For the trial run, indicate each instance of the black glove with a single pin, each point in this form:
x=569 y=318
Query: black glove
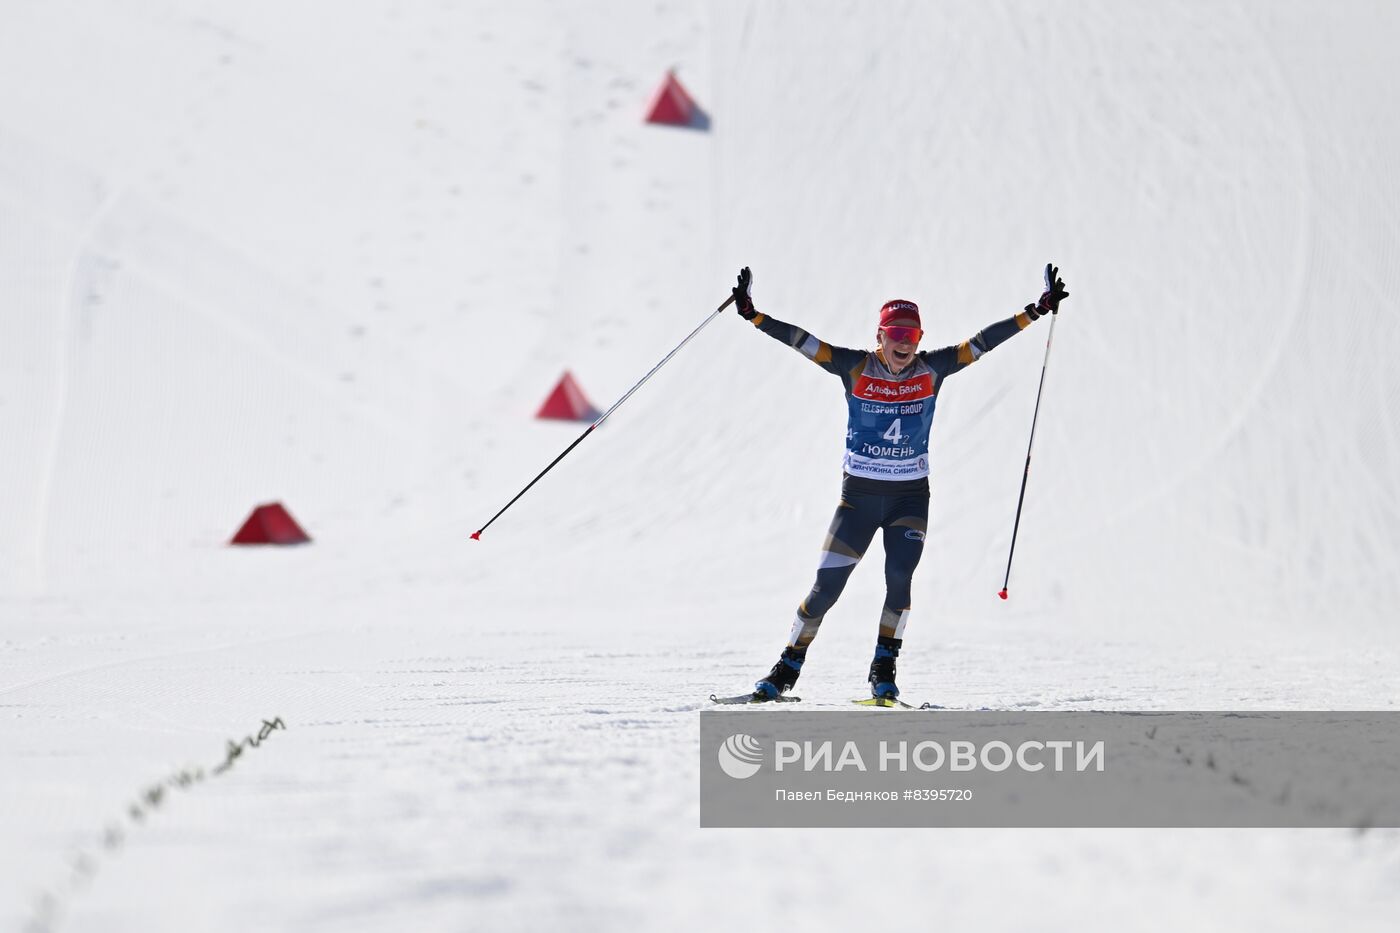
x=1050 y=299
x=743 y=295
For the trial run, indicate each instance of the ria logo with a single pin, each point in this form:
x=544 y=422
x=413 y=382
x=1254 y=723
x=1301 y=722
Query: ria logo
x=740 y=756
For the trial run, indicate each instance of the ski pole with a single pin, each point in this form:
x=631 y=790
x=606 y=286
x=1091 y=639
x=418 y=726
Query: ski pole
x=604 y=416
x=1026 y=475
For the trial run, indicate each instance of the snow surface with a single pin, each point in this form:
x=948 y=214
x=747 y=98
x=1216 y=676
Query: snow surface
x=336 y=256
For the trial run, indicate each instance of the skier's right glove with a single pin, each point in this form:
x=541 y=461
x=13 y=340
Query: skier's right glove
x=743 y=295
x=1050 y=299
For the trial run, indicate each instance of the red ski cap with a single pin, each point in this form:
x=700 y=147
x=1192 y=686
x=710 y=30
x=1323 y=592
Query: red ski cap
x=899 y=309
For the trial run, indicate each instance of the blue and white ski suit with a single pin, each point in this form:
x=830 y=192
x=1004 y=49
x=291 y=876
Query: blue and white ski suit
x=885 y=483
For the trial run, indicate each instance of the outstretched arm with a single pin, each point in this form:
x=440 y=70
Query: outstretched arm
x=835 y=360
x=958 y=357
x=962 y=355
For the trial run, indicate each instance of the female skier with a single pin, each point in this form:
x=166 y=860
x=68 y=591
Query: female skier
x=890 y=395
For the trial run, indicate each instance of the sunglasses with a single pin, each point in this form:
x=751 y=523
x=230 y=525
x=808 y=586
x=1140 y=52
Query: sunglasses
x=903 y=334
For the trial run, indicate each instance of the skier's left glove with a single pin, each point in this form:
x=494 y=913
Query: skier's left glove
x=743 y=295
x=1050 y=299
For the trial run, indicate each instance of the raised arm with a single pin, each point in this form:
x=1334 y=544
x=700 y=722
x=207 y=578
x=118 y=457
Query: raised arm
x=959 y=356
x=952 y=359
x=838 y=361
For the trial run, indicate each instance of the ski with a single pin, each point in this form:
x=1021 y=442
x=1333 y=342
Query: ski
x=753 y=698
x=969 y=709
x=886 y=703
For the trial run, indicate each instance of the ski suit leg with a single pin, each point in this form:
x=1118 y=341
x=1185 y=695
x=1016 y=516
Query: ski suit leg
x=905 y=524
x=852 y=529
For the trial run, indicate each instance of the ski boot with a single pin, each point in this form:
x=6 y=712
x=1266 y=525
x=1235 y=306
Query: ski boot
x=882 y=685
x=783 y=675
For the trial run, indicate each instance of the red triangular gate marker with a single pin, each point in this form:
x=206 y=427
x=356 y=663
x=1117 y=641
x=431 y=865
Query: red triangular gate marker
x=270 y=524
x=567 y=403
x=674 y=106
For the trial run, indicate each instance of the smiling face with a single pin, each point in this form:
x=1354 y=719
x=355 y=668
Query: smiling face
x=898 y=341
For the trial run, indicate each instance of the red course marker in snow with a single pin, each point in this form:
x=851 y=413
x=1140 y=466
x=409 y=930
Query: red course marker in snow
x=673 y=106
x=270 y=523
x=567 y=402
